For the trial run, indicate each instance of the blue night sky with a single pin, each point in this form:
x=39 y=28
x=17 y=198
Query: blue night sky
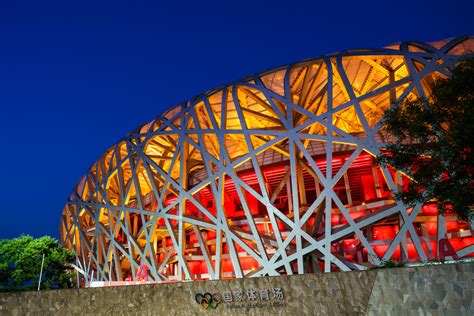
x=76 y=76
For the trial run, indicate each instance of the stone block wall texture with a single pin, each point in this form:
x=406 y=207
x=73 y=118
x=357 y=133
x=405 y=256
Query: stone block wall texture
x=429 y=290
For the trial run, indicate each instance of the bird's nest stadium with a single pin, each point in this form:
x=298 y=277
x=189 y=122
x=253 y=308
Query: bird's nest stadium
x=274 y=174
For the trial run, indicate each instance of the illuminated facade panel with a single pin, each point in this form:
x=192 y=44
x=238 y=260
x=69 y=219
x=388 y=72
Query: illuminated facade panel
x=271 y=175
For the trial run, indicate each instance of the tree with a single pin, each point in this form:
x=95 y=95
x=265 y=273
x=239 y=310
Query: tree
x=434 y=144
x=20 y=263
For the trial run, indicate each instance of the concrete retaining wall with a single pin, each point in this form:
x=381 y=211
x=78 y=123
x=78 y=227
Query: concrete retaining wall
x=435 y=290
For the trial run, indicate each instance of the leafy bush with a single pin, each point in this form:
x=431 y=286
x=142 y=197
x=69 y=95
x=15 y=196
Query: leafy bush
x=20 y=264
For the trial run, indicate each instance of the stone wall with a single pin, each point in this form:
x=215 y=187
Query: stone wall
x=436 y=290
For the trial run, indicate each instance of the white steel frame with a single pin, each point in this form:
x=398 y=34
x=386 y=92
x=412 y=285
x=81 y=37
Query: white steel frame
x=330 y=101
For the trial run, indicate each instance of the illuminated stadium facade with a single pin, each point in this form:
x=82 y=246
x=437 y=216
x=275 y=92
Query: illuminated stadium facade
x=271 y=175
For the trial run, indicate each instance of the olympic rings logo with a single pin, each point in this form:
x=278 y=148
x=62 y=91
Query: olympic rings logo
x=208 y=300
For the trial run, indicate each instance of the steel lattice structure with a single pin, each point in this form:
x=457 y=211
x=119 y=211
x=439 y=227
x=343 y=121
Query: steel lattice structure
x=270 y=175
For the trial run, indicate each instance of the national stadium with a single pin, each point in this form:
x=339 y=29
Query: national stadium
x=274 y=174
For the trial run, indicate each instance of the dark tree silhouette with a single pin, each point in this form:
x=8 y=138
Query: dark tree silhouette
x=434 y=143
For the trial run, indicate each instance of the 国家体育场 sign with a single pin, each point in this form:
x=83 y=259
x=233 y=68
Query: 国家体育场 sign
x=242 y=298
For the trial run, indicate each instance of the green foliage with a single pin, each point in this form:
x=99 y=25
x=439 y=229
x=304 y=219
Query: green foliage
x=434 y=144
x=388 y=264
x=20 y=263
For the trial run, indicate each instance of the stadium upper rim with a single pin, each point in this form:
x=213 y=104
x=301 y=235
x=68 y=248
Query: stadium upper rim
x=391 y=49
